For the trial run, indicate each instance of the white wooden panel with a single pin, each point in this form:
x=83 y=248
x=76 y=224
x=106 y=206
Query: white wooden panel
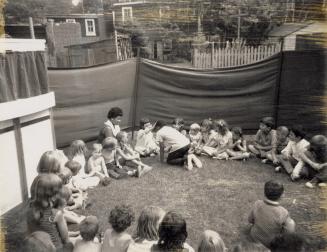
x=9 y=173
x=21 y=45
x=23 y=107
x=37 y=139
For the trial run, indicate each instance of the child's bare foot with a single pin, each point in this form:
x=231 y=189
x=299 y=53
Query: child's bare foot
x=189 y=165
x=197 y=162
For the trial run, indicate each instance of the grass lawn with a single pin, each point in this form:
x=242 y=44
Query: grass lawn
x=218 y=197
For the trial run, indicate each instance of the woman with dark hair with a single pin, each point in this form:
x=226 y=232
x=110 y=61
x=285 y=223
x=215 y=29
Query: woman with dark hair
x=111 y=126
x=172 y=234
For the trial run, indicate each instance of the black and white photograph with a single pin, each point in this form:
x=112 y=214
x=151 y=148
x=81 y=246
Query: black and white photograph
x=163 y=125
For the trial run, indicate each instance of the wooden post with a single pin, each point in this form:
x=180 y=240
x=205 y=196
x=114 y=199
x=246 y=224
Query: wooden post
x=277 y=91
x=21 y=159
x=212 y=53
x=30 y=20
x=137 y=73
x=116 y=45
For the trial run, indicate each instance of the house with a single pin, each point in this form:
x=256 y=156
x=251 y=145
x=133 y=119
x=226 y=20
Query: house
x=163 y=28
x=300 y=36
x=65 y=32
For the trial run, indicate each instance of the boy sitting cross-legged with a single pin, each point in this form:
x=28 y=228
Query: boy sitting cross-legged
x=267 y=218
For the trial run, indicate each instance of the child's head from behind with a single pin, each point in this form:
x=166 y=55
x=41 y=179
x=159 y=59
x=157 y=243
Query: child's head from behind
x=78 y=147
x=266 y=124
x=121 y=217
x=144 y=123
x=65 y=175
x=237 y=133
x=39 y=241
x=172 y=231
x=148 y=223
x=282 y=133
x=318 y=142
x=194 y=129
x=49 y=163
x=109 y=144
x=211 y=242
x=288 y=242
x=221 y=126
x=73 y=166
x=47 y=188
x=122 y=137
x=206 y=125
x=89 y=228
x=63 y=197
x=273 y=190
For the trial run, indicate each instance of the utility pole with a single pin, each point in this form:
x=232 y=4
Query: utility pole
x=239 y=15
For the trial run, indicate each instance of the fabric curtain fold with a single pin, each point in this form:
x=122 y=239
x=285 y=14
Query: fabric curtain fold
x=22 y=75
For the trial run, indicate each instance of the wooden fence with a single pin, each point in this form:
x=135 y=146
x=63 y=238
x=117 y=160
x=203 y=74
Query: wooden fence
x=124 y=48
x=212 y=56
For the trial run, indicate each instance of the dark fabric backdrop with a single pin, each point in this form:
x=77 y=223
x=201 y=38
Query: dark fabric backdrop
x=303 y=90
x=240 y=95
x=84 y=96
x=22 y=75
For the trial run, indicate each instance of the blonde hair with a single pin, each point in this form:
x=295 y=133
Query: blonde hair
x=97 y=148
x=211 y=242
x=49 y=163
x=120 y=136
x=77 y=147
x=148 y=223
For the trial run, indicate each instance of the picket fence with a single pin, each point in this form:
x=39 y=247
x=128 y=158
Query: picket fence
x=215 y=57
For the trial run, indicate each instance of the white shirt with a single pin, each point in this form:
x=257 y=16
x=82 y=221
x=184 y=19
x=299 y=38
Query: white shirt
x=115 y=128
x=295 y=150
x=172 y=138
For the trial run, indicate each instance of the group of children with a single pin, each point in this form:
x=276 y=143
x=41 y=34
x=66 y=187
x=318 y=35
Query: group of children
x=285 y=148
x=271 y=227
x=62 y=183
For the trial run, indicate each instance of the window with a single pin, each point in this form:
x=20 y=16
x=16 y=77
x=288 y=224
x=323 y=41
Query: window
x=127 y=14
x=90 y=27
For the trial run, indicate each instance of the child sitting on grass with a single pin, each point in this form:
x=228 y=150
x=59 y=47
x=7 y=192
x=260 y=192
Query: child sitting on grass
x=115 y=238
x=206 y=127
x=96 y=165
x=145 y=142
x=315 y=160
x=109 y=153
x=43 y=216
x=78 y=153
x=172 y=234
x=267 y=218
x=282 y=133
x=88 y=228
x=291 y=155
x=195 y=146
x=79 y=196
x=211 y=242
x=195 y=138
x=265 y=138
x=67 y=198
x=238 y=149
x=147 y=229
x=127 y=156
